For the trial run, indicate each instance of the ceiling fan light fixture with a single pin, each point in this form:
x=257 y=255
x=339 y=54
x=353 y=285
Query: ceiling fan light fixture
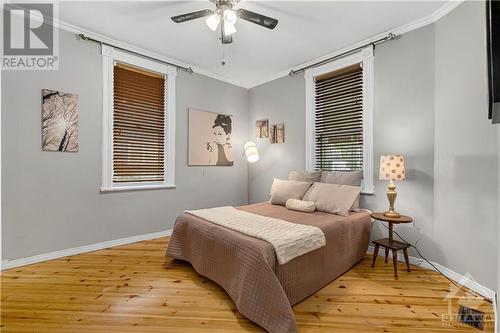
x=229 y=29
x=225 y=17
x=213 y=21
x=230 y=16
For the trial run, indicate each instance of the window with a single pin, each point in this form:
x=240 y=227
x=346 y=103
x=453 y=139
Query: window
x=138 y=122
x=339 y=116
x=138 y=125
x=338 y=120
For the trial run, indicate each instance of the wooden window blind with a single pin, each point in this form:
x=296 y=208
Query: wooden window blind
x=138 y=125
x=339 y=120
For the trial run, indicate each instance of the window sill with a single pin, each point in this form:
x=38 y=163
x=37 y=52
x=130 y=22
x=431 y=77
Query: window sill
x=367 y=189
x=136 y=188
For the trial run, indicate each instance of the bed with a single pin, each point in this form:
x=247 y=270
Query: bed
x=246 y=267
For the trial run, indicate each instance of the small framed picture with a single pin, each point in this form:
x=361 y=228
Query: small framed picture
x=262 y=128
x=277 y=133
x=59 y=121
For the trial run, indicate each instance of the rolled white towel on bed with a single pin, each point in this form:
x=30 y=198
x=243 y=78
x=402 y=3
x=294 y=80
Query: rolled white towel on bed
x=301 y=205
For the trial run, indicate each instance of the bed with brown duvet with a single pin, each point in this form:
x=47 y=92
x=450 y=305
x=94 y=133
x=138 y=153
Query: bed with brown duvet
x=247 y=268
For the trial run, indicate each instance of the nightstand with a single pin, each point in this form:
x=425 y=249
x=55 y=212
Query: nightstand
x=390 y=243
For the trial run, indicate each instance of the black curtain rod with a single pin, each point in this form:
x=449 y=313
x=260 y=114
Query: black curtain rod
x=83 y=37
x=390 y=36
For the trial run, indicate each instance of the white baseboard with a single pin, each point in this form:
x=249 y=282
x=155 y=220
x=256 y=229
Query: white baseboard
x=463 y=280
x=495 y=313
x=7 y=264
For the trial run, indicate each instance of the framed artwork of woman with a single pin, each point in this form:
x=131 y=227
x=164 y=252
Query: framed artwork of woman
x=210 y=138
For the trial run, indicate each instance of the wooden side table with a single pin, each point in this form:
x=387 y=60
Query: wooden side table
x=390 y=243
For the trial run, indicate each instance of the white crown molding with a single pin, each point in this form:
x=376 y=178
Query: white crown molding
x=435 y=16
x=432 y=18
x=461 y=279
x=108 y=40
x=7 y=264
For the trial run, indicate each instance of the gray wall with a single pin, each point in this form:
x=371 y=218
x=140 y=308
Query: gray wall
x=465 y=148
x=430 y=105
x=280 y=101
x=404 y=124
x=51 y=201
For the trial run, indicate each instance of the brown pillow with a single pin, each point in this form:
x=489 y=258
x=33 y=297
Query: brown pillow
x=305 y=176
x=282 y=190
x=352 y=178
x=333 y=198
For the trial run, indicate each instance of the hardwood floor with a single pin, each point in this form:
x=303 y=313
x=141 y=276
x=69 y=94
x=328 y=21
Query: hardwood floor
x=134 y=288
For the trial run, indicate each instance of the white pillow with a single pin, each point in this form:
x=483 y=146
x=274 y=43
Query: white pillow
x=352 y=178
x=333 y=198
x=282 y=190
x=300 y=205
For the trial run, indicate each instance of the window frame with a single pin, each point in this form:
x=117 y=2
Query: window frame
x=110 y=56
x=365 y=58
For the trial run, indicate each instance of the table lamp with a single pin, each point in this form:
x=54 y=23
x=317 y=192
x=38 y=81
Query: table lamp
x=392 y=167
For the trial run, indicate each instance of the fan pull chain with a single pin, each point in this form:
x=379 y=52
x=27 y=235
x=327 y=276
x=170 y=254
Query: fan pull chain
x=223 y=62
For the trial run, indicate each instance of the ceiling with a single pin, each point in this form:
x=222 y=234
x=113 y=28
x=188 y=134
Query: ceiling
x=306 y=30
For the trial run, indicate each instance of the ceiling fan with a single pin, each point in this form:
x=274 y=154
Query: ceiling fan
x=226 y=16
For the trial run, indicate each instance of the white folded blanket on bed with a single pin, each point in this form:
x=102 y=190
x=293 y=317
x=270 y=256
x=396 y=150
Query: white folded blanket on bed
x=290 y=240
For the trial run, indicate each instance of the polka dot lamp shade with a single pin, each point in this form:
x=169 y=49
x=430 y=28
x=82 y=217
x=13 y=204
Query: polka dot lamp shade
x=392 y=167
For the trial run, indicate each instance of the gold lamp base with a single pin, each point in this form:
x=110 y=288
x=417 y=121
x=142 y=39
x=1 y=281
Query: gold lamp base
x=391 y=195
x=392 y=213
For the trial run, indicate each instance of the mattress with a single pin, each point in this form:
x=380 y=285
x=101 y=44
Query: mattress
x=246 y=267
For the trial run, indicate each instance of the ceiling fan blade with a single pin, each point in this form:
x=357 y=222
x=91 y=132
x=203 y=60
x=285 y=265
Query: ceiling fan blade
x=192 y=16
x=265 y=21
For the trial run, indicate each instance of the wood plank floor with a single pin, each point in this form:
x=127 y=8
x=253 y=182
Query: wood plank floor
x=134 y=288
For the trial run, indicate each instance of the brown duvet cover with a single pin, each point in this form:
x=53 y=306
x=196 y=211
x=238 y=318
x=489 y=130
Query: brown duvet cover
x=247 y=268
